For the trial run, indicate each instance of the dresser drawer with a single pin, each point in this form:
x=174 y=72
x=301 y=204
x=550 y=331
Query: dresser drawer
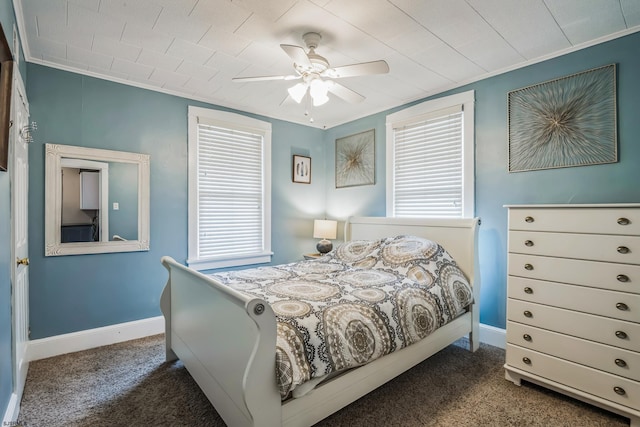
x=595 y=247
x=582 y=325
x=617 y=277
x=618 y=305
x=607 y=358
x=589 y=380
x=576 y=220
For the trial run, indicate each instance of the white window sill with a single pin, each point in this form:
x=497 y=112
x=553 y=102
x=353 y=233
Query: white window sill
x=224 y=262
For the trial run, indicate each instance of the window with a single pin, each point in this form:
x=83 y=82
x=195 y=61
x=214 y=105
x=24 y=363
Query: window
x=229 y=189
x=430 y=159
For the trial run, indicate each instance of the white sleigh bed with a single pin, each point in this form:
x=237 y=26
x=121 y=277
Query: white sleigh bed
x=227 y=339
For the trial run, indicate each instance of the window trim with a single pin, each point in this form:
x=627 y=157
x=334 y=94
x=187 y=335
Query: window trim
x=423 y=111
x=231 y=121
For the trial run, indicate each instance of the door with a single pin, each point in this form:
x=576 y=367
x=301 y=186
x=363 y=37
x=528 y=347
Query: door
x=19 y=170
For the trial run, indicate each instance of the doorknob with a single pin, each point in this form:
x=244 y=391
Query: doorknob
x=23 y=261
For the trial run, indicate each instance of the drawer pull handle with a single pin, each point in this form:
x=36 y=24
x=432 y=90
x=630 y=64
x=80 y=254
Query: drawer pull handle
x=528 y=290
x=528 y=243
x=528 y=267
x=526 y=360
x=623 y=250
x=619 y=390
x=622 y=278
x=621 y=363
x=527 y=337
x=529 y=219
x=622 y=306
x=623 y=221
x=527 y=313
x=621 y=334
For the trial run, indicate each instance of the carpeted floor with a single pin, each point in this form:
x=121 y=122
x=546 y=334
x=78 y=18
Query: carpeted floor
x=129 y=384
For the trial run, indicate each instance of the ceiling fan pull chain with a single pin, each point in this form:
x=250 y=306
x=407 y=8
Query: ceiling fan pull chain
x=309 y=107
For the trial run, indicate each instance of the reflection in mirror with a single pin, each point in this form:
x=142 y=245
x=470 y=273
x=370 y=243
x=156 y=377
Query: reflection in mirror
x=123 y=202
x=83 y=212
x=96 y=201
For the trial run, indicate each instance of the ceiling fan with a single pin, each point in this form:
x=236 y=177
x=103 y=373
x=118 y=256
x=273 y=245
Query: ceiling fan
x=317 y=75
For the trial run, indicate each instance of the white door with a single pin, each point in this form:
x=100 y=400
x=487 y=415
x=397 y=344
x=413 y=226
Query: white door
x=19 y=170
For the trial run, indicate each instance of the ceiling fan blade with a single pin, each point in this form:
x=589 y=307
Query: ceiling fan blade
x=364 y=68
x=298 y=55
x=345 y=93
x=264 y=78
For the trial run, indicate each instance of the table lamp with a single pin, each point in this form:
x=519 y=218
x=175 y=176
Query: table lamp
x=324 y=229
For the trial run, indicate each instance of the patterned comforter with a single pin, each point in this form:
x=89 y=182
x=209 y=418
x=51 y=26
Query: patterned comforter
x=359 y=302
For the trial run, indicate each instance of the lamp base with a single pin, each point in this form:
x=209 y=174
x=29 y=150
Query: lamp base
x=324 y=246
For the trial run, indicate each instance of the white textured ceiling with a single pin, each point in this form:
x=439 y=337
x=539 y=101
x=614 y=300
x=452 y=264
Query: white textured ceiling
x=193 y=48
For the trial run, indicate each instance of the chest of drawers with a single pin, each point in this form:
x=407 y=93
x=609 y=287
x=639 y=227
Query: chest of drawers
x=573 y=302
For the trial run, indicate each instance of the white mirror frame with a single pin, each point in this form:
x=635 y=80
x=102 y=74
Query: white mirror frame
x=53 y=201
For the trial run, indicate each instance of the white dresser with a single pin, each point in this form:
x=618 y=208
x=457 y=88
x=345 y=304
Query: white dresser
x=573 y=307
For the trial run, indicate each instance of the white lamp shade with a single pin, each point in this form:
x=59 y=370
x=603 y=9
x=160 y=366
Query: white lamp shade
x=298 y=92
x=320 y=100
x=325 y=229
x=318 y=91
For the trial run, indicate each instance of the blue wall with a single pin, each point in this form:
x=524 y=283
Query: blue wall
x=81 y=292
x=495 y=187
x=73 y=293
x=123 y=189
x=7 y=19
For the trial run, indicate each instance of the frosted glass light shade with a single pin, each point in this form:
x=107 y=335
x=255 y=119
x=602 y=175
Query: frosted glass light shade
x=318 y=91
x=297 y=92
x=325 y=229
x=320 y=100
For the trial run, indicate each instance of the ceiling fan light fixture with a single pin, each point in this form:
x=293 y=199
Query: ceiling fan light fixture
x=297 y=92
x=318 y=90
x=315 y=74
x=320 y=100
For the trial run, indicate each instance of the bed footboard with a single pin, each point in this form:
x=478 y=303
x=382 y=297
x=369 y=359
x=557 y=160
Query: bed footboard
x=227 y=341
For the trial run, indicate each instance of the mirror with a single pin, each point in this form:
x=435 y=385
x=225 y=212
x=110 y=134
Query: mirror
x=96 y=201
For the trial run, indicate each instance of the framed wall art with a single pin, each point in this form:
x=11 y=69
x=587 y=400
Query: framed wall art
x=301 y=169
x=570 y=121
x=356 y=159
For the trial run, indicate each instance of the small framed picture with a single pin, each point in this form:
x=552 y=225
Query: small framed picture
x=302 y=169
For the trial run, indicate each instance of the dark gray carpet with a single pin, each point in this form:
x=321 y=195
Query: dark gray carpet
x=129 y=384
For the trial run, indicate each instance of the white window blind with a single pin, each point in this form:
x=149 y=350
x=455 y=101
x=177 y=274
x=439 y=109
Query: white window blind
x=229 y=192
x=430 y=159
x=428 y=166
x=229 y=184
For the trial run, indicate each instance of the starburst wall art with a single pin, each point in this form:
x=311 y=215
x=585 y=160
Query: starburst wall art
x=356 y=159
x=570 y=121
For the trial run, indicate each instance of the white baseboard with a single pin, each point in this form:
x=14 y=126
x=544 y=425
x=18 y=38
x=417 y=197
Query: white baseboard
x=13 y=409
x=493 y=336
x=91 y=338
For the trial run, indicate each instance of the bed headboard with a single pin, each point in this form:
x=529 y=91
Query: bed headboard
x=459 y=236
